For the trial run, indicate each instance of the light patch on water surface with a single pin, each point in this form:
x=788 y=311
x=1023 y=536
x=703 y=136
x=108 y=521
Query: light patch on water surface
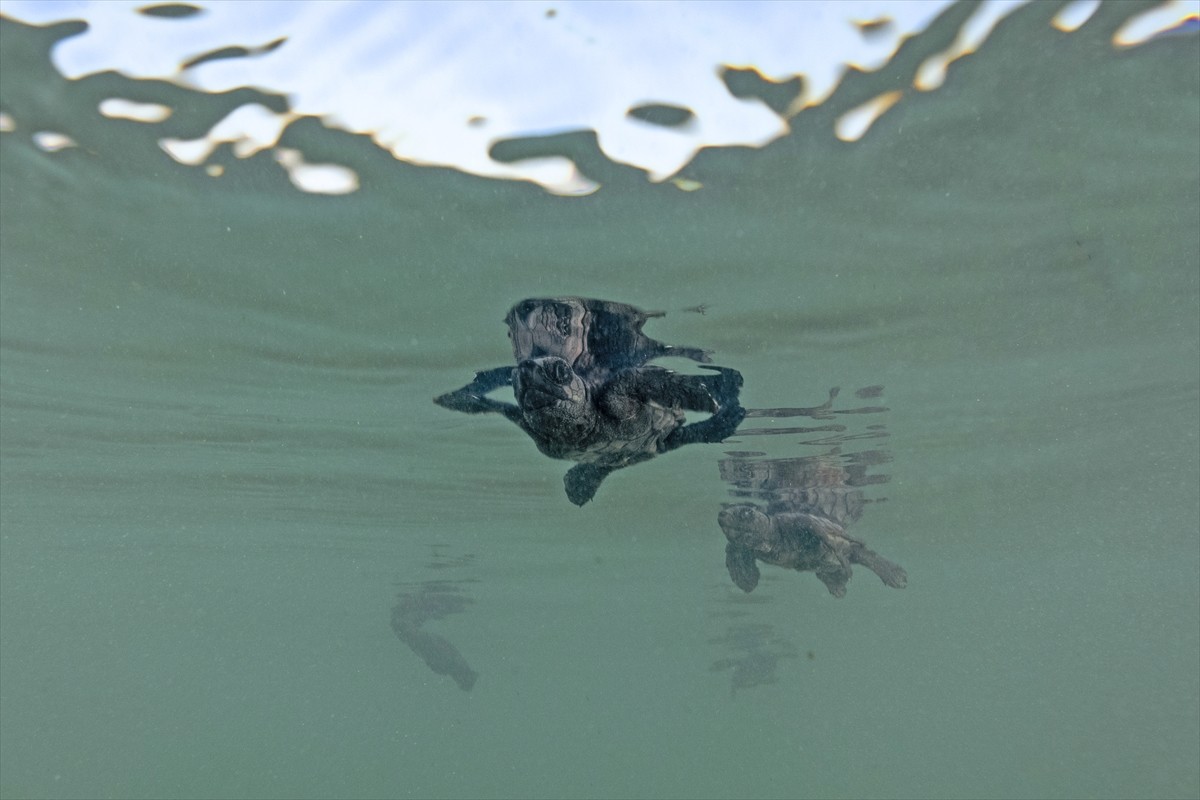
x=1170 y=16
x=853 y=125
x=440 y=83
x=53 y=141
x=932 y=74
x=192 y=152
x=316 y=178
x=1073 y=15
x=250 y=128
x=120 y=108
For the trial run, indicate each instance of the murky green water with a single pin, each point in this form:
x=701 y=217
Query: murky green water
x=221 y=462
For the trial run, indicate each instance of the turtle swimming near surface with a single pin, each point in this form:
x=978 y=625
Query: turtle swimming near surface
x=803 y=542
x=586 y=393
x=805 y=506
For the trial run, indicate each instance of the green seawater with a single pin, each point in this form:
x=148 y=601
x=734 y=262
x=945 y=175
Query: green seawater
x=220 y=462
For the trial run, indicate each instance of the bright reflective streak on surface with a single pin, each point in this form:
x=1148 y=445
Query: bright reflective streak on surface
x=851 y=126
x=251 y=128
x=932 y=73
x=1161 y=19
x=316 y=178
x=192 y=152
x=52 y=142
x=120 y=108
x=1073 y=16
x=440 y=83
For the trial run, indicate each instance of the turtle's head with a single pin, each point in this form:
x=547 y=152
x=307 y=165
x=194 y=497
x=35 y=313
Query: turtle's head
x=553 y=399
x=746 y=525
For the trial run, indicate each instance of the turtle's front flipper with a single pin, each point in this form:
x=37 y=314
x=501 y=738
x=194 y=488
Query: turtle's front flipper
x=717 y=428
x=742 y=567
x=889 y=572
x=655 y=384
x=471 y=399
x=694 y=353
x=582 y=481
x=725 y=386
x=722 y=390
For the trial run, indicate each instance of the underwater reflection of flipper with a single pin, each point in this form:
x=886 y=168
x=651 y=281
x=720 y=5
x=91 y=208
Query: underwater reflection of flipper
x=436 y=651
x=433 y=600
x=756 y=651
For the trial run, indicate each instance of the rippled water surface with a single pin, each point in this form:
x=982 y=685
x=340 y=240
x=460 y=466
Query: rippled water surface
x=222 y=472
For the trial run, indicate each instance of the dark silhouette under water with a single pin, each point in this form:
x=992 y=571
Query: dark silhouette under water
x=433 y=600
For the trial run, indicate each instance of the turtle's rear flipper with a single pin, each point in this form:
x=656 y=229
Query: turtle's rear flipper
x=835 y=580
x=582 y=481
x=742 y=567
x=889 y=572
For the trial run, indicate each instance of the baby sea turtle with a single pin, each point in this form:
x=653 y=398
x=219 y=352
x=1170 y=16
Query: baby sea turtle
x=804 y=506
x=799 y=541
x=585 y=393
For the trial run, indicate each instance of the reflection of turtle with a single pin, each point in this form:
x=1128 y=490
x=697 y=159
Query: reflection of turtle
x=758 y=649
x=594 y=337
x=584 y=392
x=434 y=600
x=803 y=542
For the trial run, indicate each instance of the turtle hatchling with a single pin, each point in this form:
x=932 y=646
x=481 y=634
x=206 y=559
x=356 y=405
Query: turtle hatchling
x=799 y=541
x=586 y=393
